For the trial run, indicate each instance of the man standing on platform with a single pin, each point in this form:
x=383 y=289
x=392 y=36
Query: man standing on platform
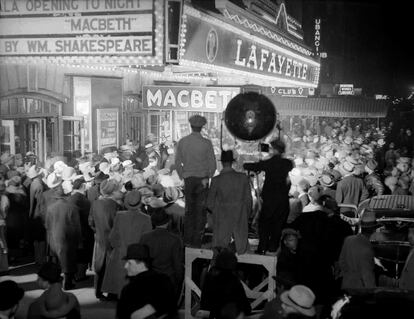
x=275 y=195
x=195 y=163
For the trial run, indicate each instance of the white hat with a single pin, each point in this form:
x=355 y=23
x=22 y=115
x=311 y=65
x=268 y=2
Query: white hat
x=104 y=167
x=127 y=163
x=68 y=173
x=114 y=161
x=53 y=180
x=58 y=167
x=67 y=187
x=85 y=167
x=381 y=142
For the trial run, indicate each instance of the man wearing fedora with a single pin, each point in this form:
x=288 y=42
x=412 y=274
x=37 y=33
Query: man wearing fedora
x=63 y=231
x=350 y=189
x=275 y=195
x=53 y=302
x=129 y=225
x=230 y=202
x=165 y=248
x=148 y=293
x=11 y=295
x=356 y=260
x=101 y=219
x=195 y=163
x=372 y=180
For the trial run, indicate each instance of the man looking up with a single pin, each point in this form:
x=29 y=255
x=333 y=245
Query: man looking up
x=195 y=163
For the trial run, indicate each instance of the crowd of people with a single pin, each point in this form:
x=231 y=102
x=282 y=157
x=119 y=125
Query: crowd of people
x=131 y=211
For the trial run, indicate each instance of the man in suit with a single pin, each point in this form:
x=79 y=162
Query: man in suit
x=129 y=226
x=165 y=248
x=101 y=220
x=351 y=189
x=230 y=202
x=275 y=194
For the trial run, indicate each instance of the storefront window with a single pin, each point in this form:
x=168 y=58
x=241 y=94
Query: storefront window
x=71 y=139
x=160 y=126
x=4 y=107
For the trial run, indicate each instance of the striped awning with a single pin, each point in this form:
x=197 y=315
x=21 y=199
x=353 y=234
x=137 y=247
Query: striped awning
x=331 y=107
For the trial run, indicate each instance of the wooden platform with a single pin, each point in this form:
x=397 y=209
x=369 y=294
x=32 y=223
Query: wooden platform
x=263 y=291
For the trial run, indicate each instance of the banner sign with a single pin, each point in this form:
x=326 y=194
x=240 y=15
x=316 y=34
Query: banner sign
x=211 y=44
x=195 y=99
x=107 y=127
x=93 y=28
x=289 y=91
x=346 y=89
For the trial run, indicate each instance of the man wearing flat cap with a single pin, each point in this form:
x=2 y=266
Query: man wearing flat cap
x=230 y=202
x=148 y=293
x=196 y=164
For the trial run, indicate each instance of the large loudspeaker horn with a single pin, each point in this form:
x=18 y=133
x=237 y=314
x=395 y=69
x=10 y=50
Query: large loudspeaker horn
x=250 y=116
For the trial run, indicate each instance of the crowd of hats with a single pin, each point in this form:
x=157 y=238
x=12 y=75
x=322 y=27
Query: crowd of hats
x=117 y=178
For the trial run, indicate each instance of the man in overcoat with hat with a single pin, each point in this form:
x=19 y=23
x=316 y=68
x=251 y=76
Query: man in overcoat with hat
x=63 y=230
x=275 y=194
x=129 y=225
x=230 y=202
x=165 y=248
x=351 y=189
x=196 y=164
x=148 y=293
x=101 y=220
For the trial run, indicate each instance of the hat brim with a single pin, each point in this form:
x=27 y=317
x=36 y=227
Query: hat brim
x=284 y=297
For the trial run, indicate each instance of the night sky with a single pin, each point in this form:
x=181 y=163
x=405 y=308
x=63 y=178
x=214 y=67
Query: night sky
x=385 y=34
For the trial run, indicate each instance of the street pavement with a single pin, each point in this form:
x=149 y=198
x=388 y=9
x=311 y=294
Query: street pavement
x=91 y=307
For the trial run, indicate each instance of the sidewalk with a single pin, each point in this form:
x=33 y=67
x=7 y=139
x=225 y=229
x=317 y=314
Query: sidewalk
x=91 y=308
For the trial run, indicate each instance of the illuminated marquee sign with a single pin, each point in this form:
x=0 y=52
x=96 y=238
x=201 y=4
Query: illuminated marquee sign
x=289 y=91
x=203 y=99
x=317 y=42
x=346 y=89
x=213 y=46
x=103 y=29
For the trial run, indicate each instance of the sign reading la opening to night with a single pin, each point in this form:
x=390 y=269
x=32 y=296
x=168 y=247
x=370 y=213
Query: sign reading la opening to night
x=110 y=28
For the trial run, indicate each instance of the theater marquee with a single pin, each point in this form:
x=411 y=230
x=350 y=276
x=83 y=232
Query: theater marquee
x=78 y=31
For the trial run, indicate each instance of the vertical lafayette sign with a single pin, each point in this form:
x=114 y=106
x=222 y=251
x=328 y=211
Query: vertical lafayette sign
x=212 y=44
x=79 y=28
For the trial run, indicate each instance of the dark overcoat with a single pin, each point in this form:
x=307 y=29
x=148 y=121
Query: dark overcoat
x=84 y=206
x=167 y=254
x=230 y=201
x=127 y=229
x=63 y=232
x=101 y=220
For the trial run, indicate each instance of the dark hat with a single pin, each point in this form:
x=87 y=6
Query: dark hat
x=138 y=252
x=100 y=178
x=227 y=156
x=278 y=145
x=368 y=219
x=197 y=120
x=132 y=199
x=77 y=183
x=50 y=272
x=158 y=189
x=10 y=294
x=290 y=232
x=159 y=217
x=226 y=260
x=109 y=186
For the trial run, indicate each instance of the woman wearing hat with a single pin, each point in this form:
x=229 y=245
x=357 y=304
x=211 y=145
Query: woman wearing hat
x=129 y=225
